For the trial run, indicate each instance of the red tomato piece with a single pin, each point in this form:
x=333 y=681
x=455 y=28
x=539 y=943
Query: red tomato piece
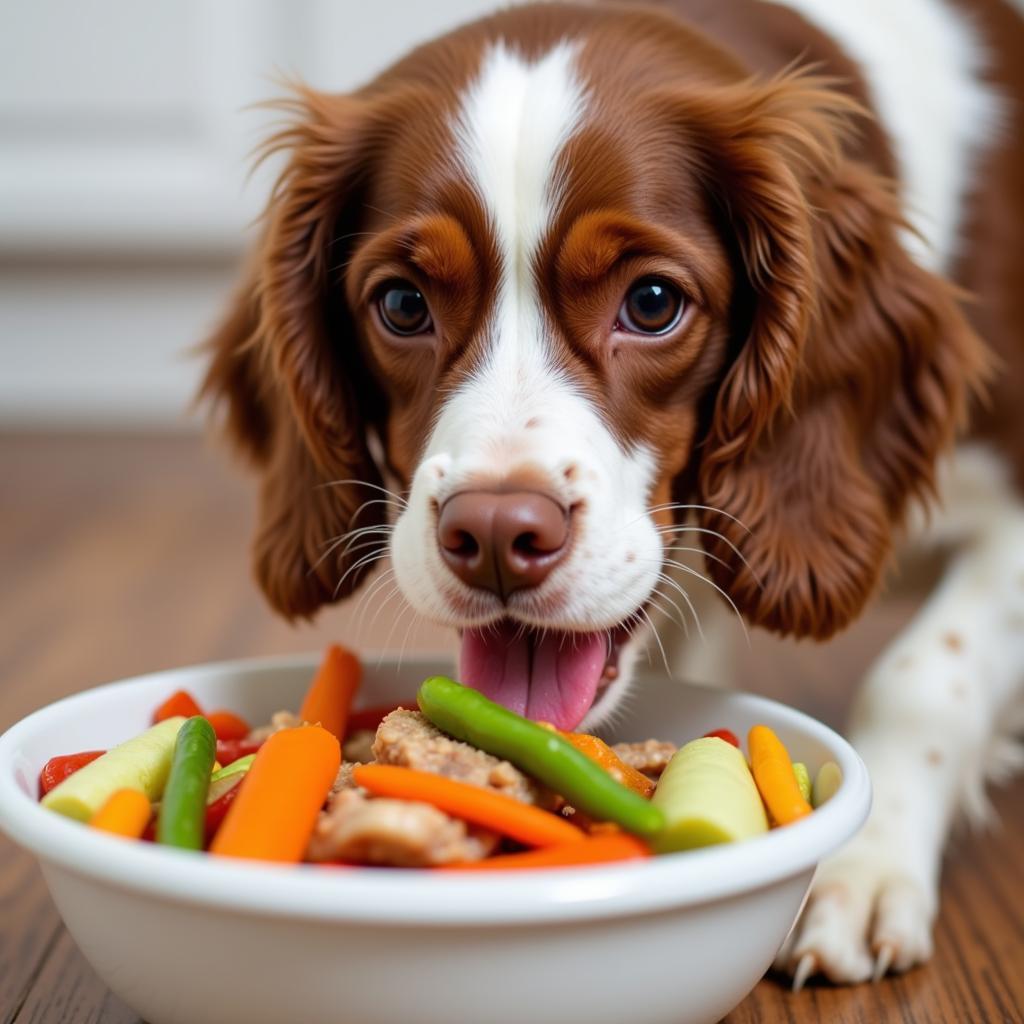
x=179 y=703
x=227 y=725
x=370 y=718
x=216 y=812
x=57 y=769
x=725 y=734
x=229 y=751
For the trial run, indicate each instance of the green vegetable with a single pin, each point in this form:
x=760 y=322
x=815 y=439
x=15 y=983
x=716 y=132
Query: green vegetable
x=468 y=715
x=182 y=816
x=803 y=779
x=141 y=763
x=243 y=764
x=826 y=782
x=708 y=796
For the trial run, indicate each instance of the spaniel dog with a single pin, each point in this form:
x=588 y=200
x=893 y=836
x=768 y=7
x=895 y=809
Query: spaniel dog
x=578 y=289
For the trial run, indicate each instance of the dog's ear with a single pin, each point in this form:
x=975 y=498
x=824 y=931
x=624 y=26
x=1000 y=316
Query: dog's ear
x=286 y=364
x=852 y=365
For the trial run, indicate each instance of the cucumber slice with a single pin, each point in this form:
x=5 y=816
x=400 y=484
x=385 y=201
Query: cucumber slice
x=708 y=796
x=141 y=763
x=826 y=782
x=803 y=779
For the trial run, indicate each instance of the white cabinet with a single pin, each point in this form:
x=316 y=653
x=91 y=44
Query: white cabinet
x=124 y=203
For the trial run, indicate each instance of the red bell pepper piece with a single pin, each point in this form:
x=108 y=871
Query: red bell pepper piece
x=179 y=703
x=229 y=751
x=228 y=726
x=370 y=718
x=724 y=734
x=57 y=769
x=216 y=812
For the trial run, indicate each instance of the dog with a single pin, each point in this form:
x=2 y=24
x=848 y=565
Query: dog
x=576 y=291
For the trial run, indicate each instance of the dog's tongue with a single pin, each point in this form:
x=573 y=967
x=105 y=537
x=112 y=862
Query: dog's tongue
x=550 y=678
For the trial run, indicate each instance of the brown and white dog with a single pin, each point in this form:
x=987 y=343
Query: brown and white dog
x=590 y=286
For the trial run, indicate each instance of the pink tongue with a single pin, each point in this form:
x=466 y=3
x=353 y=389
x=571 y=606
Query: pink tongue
x=553 y=679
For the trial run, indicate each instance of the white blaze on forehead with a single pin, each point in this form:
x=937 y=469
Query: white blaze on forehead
x=514 y=122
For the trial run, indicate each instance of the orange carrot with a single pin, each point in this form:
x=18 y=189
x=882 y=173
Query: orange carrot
x=126 y=813
x=596 y=850
x=280 y=797
x=528 y=825
x=227 y=725
x=329 y=696
x=775 y=778
x=597 y=750
x=179 y=703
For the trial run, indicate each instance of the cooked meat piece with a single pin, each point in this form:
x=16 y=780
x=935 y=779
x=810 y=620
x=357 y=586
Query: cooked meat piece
x=649 y=756
x=406 y=738
x=396 y=833
x=344 y=779
x=359 y=746
x=278 y=721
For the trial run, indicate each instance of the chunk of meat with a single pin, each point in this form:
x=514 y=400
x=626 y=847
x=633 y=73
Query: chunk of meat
x=406 y=738
x=278 y=721
x=394 y=833
x=359 y=746
x=649 y=756
x=344 y=779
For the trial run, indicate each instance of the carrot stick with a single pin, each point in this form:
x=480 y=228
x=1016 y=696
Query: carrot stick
x=597 y=750
x=126 y=813
x=775 y=778
x=528 y=825
x=278 y=802
x=227 y=725
x=597 y=850
x=329 y=696
x=181 y=702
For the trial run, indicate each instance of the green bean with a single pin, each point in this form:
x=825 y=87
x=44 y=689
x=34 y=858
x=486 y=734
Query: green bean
x=182 y=814
x=468 y=715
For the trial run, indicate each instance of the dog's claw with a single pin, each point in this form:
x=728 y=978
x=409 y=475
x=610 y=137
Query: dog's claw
x=883 y=961
x=804 y=969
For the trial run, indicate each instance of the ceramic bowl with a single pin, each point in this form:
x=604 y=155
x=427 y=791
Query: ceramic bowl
x=187 y=939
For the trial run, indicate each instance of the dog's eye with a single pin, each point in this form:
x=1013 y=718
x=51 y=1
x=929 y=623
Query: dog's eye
x=403 y=308
x=652 y=306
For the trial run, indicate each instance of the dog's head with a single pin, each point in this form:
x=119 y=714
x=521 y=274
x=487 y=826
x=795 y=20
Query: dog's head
x=566 y=279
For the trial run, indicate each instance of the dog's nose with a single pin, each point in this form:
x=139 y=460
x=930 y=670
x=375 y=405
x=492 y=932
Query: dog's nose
x=502 y=541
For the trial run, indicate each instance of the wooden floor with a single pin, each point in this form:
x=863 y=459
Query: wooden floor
x=120 y=556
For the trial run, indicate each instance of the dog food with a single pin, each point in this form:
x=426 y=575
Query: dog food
x=458 y=783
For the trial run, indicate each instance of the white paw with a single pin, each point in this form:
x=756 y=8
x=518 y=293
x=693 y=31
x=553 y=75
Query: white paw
x=865 y=916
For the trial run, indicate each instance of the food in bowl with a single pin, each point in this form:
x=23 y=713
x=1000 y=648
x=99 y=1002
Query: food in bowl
x=461 y=783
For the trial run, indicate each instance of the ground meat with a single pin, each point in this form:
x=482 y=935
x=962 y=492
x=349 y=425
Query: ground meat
x=359 y=746
x=406 y=738
x=278 y=721
x=344 y=779
x=397 y=833
x=650 y=756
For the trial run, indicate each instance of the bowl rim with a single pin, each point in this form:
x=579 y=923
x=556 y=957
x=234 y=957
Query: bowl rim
x=414 y=897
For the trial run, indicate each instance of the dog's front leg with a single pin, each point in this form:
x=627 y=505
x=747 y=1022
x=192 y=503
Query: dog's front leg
x=935 y=718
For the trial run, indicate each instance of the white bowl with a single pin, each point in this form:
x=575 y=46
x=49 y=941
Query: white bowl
x=187 y=939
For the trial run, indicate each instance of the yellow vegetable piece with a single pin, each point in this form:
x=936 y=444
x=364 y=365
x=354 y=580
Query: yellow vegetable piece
x=141 y=763
x=803 y=779
x=708 y=796
x=826 y=782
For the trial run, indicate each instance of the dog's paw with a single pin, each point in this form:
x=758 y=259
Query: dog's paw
x=865 y=916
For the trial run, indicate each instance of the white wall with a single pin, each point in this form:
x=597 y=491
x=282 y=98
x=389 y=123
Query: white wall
x=123 y=194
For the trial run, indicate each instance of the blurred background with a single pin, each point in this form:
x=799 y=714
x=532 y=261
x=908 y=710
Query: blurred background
x=124 y=203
